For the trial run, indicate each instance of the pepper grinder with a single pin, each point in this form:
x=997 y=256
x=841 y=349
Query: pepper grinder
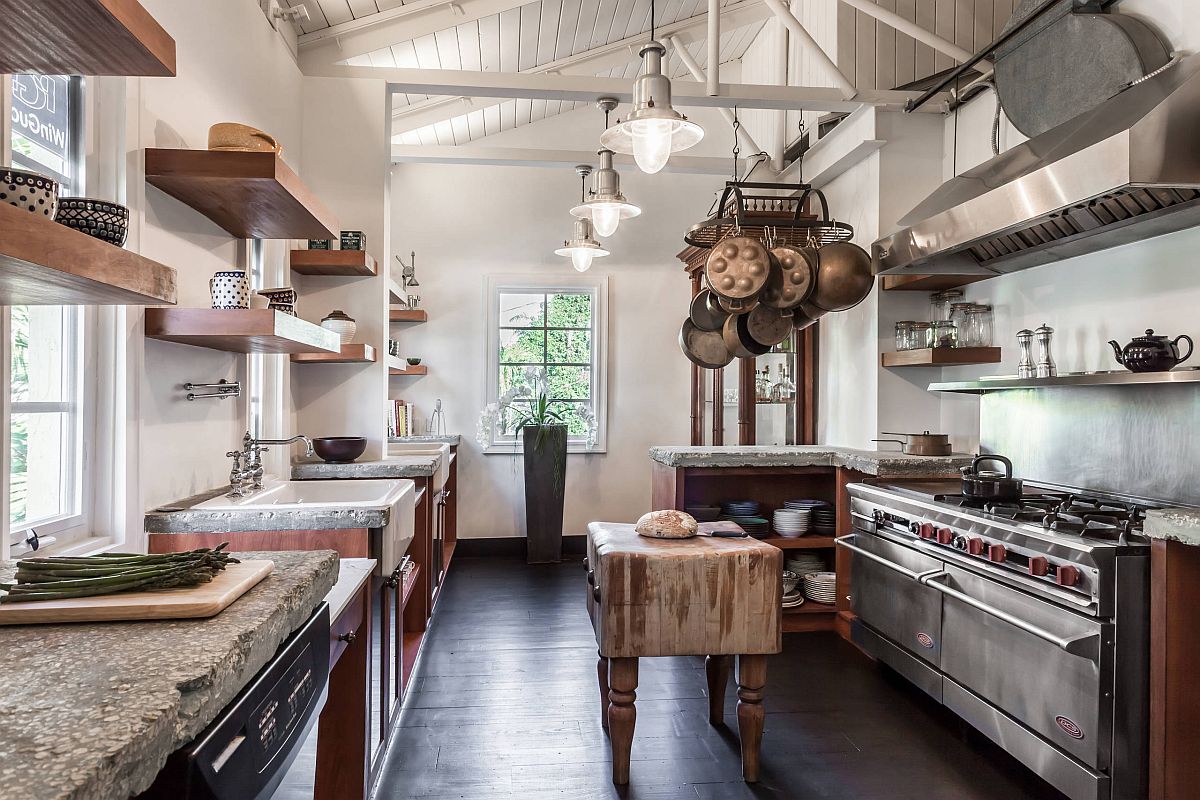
x=1025 y=341
x=1045 y=363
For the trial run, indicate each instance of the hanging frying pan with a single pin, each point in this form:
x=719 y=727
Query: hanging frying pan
x=706 y=312
x=737 y=270
x=738 y=339
x=703 y=348
x=769 y=326
x=844 y=277
x=790 y=280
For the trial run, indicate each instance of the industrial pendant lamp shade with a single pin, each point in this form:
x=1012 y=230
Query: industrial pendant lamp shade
x=605 y=205
x=581 y=248
x=653 y=129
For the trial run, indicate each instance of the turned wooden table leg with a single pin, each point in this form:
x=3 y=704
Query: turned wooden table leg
x=751 y=678
x=716 y=668
x=602 y=675
x=622 y=692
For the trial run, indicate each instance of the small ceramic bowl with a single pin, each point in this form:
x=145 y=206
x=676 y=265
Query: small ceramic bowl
x=790 y=581
x=30 y=191
x=284 y=295
x=99 y=219
x=339 y=449
x=412 y=362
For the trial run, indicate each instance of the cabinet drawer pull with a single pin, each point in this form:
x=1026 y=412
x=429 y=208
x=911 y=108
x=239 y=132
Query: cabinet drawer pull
x=591 y=577
x=596 y=594
x=392 y=581
x=348 y=637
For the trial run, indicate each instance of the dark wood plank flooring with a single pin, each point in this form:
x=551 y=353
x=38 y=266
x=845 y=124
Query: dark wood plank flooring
x=505 y=706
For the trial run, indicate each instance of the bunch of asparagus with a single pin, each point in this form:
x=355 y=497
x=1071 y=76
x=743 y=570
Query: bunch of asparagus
x=66 y=578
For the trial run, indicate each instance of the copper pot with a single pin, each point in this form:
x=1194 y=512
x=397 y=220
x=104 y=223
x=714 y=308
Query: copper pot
x=768 y=326
x=920 y=444
x=737 y=270
x=706 y=312
x=738 y=339
x=844 y=277
x=703 y=348
x=790 y=280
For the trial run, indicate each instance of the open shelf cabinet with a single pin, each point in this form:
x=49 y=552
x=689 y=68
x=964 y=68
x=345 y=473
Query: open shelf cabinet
x=407 y=315
x=248 y=330
x=338 y=263
x=251 y=195
x=941 y=357
x=84 y=37
x=349 y=354
x=44 y=263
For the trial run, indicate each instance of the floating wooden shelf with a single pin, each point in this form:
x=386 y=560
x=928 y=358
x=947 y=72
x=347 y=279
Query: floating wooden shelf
x=251 y=195
x=398 y=367
x=800 y=542
x=350 y=354
x=941 y=357
x=348 y=263
x=928 y=283
x=811 y=607
x=395 y=293
x=44 y=263
x=254 y=330
x=83 y=37
x=408 y=315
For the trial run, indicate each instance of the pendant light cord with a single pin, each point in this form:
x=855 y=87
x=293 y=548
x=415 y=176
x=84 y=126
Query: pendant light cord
x=651 y=20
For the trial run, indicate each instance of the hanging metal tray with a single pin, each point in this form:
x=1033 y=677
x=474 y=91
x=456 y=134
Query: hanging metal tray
x=753 y=214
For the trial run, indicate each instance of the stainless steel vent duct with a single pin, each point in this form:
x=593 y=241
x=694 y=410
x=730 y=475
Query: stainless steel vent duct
x=1126 y=171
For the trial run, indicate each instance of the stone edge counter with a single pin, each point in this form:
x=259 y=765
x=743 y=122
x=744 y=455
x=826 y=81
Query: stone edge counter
x=392 y=467
x=182 y=517
x=92 y=710
x=1174 y=524
x=453 y=439
x=871 y=462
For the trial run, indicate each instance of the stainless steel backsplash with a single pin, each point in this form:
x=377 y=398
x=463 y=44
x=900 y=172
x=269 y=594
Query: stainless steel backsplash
x=1142 y=441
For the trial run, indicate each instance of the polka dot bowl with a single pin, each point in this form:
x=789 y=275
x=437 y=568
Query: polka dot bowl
x=30 y=191
x=99 y=219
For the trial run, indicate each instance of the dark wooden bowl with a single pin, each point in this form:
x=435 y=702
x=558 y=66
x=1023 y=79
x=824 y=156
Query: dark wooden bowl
x=339 y=449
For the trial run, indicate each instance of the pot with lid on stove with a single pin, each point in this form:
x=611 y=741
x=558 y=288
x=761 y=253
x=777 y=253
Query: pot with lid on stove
x=920 y=444
x=979 y=484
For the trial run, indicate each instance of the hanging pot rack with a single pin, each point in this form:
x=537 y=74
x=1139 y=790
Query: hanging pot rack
x=753 y=213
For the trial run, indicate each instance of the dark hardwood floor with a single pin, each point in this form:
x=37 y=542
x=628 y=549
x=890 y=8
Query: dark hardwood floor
x=505 y=706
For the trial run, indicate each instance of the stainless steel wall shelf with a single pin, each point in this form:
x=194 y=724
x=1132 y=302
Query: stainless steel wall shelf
x=1113 y=378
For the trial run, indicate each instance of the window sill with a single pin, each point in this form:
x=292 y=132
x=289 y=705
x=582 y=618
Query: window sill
x=509 y=450
x=88 y=546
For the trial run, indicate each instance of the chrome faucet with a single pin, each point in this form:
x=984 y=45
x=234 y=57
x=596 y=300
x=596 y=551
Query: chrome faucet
x=247 y=473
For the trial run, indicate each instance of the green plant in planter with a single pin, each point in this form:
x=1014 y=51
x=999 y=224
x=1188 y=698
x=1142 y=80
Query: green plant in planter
x=540 y=416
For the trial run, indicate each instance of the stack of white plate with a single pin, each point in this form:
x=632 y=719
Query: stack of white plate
x=791 y=522
x=793 y=598
x=803 y=563
x=820 y=587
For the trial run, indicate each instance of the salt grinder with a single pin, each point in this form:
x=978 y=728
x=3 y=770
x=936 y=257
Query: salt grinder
x=1045 y=363
x=1025 y=341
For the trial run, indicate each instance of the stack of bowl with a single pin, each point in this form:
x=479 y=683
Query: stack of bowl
x=745 y=514
x=791 y=522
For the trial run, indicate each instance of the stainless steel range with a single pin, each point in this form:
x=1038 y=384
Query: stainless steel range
x=1029 y=619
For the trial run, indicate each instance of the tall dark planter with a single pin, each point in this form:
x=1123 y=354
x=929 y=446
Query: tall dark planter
x=545 y=491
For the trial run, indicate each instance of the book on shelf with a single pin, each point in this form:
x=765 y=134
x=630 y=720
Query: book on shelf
x=401 y=418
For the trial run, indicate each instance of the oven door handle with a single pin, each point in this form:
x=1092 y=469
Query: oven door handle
x=1085 y=645
x=845 y=541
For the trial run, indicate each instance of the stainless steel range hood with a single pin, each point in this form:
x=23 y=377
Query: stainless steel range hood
x=1128 y=170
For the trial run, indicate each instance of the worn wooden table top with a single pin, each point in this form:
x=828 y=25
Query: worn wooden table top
x=699 y=596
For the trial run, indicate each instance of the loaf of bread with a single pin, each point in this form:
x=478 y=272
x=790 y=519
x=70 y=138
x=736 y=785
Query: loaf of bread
x=667 y=525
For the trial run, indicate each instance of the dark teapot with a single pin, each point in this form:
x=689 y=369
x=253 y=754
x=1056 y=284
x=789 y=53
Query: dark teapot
x=1151 y=353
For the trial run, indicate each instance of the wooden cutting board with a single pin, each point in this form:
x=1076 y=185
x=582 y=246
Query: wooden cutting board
x=206 y=600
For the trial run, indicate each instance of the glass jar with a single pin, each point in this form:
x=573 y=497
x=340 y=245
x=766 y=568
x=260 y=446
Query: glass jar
x=945 y=334
x=919 y=336
x=958 y=315
x=979 y=322
x=904 y=334
x=939 y=303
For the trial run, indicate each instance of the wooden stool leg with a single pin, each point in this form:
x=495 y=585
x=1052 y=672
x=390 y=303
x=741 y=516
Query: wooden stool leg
x=716 y=669
x=752 y=677
x=602 y=675
x=622 y=679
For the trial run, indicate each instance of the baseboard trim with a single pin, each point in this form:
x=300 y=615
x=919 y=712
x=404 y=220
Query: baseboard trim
x=512 y=547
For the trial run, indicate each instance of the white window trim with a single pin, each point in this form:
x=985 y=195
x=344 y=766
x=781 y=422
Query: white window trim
x=598 y=284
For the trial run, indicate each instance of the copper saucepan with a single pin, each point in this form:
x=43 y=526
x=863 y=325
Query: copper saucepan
x=920 y=444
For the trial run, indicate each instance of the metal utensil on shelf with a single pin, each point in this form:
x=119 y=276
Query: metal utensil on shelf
x=1045 y=367
x=1026 y=368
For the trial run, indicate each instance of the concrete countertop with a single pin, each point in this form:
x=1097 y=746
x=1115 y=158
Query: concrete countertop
x=352 y=574
x=879 y=463
x=92 y=710
x=449 y=438
x=182 y=517
x=1174 y=524
x=391 y=467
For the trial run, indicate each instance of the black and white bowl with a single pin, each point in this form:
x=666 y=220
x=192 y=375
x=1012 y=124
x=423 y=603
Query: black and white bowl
x=99 y=219
x=29 y=190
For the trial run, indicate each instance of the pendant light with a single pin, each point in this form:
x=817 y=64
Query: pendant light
x=653 y=129
x=605 y=205
x=582 y=247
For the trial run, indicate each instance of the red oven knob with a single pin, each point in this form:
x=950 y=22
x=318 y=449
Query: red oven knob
x=926 y=530
x=1066 y=575
x=1038 y=566
x=945 y=536
x=975 y=546
x=997 y=553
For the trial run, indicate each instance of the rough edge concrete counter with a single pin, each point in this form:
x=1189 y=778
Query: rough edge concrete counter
x=453 y=439
x=182 y=517
x=1174 y=524
x=392 y=467
x=871 y=462
x=91 y=711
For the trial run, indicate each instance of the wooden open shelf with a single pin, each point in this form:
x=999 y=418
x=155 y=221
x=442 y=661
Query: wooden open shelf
x=409 y=585
x=345 y=263
x=84 y=37
x=399 y=367
x=253 y=330
x=800 y=542
x=44 y=263
x=811 y=616
x=941 y=357
x=349 y=354
x=250 y=195
x=407 y=315
x=928 y=283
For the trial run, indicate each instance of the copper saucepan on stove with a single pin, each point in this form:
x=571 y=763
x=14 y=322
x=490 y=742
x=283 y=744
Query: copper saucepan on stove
x=920 y=444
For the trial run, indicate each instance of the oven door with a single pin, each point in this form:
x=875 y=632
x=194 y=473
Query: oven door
x=887 y=595
x=1046 y=666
